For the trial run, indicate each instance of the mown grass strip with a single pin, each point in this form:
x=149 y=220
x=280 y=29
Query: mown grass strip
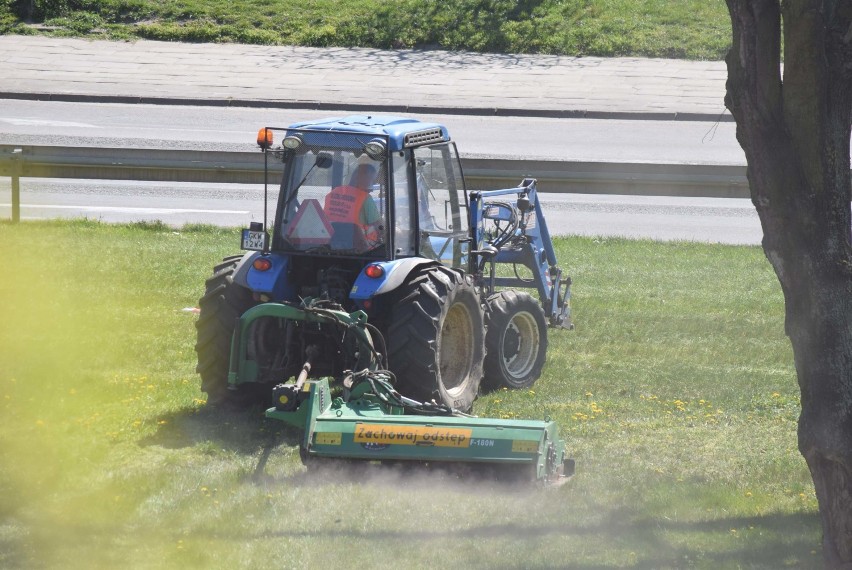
x=676 y=394
x=691 y=29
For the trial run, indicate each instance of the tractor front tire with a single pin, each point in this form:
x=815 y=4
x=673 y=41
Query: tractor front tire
x=222 y=304
x=516 y=340
x=435 y=338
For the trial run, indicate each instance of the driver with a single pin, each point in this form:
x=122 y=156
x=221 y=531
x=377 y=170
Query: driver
x=352 y=203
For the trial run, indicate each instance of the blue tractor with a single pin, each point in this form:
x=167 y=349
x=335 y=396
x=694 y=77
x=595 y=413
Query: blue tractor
x=373 y=219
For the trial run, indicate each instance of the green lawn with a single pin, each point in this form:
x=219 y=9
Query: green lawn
x=676 y=394
x=694 y=29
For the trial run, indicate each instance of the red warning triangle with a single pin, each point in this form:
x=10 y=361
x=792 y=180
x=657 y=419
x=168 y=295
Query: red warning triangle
x=310 y=226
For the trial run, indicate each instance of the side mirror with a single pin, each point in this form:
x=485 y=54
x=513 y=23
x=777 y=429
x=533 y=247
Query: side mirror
x=323 y=160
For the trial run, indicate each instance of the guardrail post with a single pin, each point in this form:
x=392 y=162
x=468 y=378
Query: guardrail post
x=16 y=185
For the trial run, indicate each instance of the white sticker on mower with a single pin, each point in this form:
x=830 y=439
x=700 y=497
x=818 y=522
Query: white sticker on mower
x=412 y=435
x=524 y=446
x=328 y=438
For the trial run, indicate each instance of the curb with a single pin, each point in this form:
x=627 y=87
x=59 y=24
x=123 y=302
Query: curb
x=724 y=116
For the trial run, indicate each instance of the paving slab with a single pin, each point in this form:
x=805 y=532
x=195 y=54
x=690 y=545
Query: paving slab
x=40 y=67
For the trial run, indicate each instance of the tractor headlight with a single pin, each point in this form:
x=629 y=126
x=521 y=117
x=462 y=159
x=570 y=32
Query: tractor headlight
x=375 y=149
x=292 y=142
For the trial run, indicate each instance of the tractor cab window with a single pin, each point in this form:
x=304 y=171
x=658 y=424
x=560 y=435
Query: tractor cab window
x=404 y=231
x=332 y=201
x=441 y=204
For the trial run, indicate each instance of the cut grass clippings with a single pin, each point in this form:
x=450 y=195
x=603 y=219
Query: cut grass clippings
x=676 y=394
x=692 y=29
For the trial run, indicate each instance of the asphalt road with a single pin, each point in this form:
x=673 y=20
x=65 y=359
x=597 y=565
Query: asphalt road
x=218 y=128
x=145 y=126
x=720 y=220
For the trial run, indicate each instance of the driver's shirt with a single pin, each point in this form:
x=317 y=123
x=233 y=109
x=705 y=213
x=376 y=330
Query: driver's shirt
x=350 y=204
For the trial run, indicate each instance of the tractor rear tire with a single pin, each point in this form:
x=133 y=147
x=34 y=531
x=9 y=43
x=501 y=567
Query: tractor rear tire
x=222 y=304
x=435 y=338
x=516 y=340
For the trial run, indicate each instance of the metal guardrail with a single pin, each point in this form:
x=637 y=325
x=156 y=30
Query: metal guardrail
x=637 y=179
x=481 y=173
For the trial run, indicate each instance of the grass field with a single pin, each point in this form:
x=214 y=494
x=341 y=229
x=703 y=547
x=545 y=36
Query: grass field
x=693 y=29
x=676 y=395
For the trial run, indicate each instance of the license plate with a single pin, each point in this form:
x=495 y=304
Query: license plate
x=255 y=241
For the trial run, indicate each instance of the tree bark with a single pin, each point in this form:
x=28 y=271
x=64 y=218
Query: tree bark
x=794 y=127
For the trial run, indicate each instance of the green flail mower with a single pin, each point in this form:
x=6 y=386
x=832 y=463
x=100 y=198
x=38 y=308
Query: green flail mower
x=368 y=420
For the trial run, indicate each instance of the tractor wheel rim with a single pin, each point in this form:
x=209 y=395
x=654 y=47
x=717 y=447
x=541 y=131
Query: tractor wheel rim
x=456 y=347
x=521 y=336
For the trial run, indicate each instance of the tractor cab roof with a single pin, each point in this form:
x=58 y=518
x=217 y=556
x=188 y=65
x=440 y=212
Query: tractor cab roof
x=401 y=132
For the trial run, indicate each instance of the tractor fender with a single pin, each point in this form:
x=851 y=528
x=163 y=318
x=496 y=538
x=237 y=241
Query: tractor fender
x=243 y=265
x=272 y=281
x=395 y=273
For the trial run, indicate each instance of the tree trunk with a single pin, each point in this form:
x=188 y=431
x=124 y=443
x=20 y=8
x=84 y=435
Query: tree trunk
x=795 y=132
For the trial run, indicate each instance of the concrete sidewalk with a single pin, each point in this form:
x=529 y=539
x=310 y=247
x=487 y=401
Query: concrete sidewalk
x=36 y=67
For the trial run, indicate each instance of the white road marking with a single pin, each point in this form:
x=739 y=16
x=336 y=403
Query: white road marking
x=46 y=123
x=126 y=210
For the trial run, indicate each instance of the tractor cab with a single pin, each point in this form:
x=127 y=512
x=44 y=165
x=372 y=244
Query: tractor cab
x=373 y=188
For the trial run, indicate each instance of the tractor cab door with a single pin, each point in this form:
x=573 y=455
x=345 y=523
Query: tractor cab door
x=442 y=215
